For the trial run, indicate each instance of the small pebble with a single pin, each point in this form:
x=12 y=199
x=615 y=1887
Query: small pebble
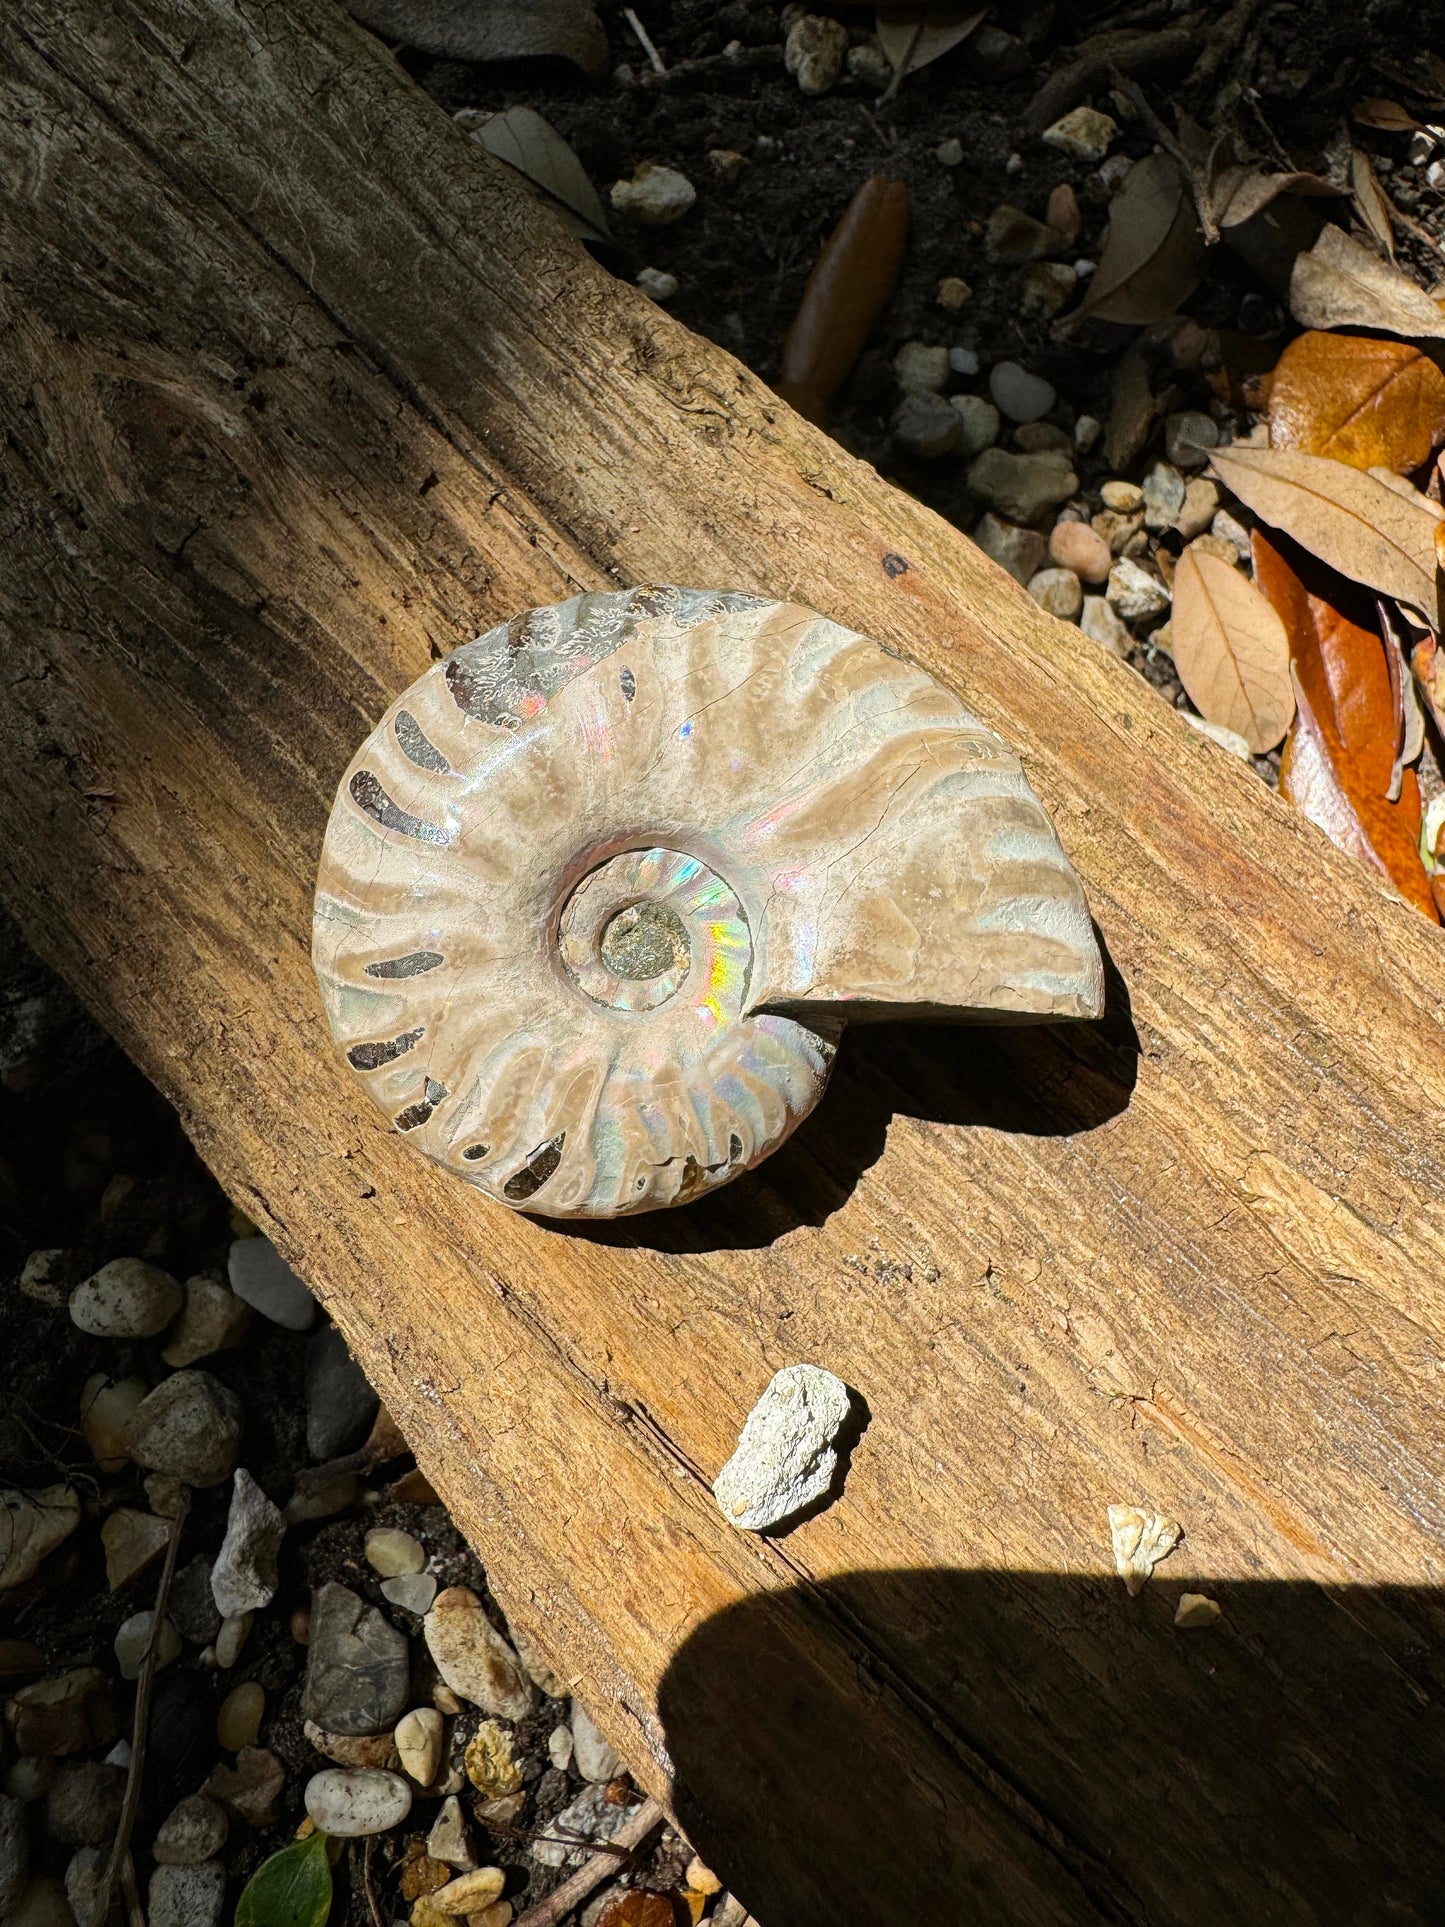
x=1135 y=594
x=1020 y=551
x=1196 y=1608
x=1201 y=503
x=392 y=1552
x=657 y=283
x=559 y=1747
x=1014 y=238
x=814 y=51
x=235 y=1631
x=126 y=1299
x=470 y=1892
x=1035 y=437
x=239 y=1721
x=870 y=66
x=1059 y=592
x=40 y=1278
x=1018 y=394
x=927 y=426
x=949 y=153
x=700 y=1877
x=63 y=1713
x=655 y=196
x=1117 y=529
x=490 y=1762
x=473 y=1658
x=726 y=162
x=1163 y=497
x=595 y=1756
x=352 y=1801
x=32 y=1525
x=131 y=1540
x=213 y=1319
x=352 y=1749
x=1084 y=267
x=259 y=1274
x=415 y=1592
x=785 y=1458
x=168 y=1496
x=133 y=1637
x=187 y=1896
x=963 y=361
x=193 y=1831
x=952 y=292
x=980 y=422
x=540 y=1670
x=920 y=368
x=1229 y=530
x=1188 y=438
x=357 y=1665
x=85 y=1886
x=244 y=1577
x=448 y=1840
x=1100 y=623
x=1062 y=213
x=107 y=1408
x=1087 y=430
x=1141 y=1537
x=1229 y=739
x=1083 y=134
x=251 y=1788
x=419 y=1736
x=340 y=1404
x=1211 y=544
x=1046 y=288
x=1076 y=546
x=1113 y=172
x=1022 y=487
x=1124 y=497
x=591 y=1819
x=83 y=1803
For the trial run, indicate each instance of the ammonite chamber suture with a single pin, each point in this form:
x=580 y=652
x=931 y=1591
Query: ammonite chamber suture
x=600 y=891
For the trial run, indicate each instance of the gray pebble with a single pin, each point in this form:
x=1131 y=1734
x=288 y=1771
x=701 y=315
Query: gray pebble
x=1020 y=551
x=188 y=1896
x=1059 y=591
x=1018 y=394
x=244 y=1577
x=926 y=425
x=1022 y=487
x=980 y=422
x=340 y=1404
x=1163 y=497
x=189 y=1426
x=357 y=1665
x=259 y=1274
x=193 y=1831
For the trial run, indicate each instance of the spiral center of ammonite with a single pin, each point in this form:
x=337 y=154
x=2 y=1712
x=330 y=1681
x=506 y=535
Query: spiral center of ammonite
x=643 y=941
x=647 y=922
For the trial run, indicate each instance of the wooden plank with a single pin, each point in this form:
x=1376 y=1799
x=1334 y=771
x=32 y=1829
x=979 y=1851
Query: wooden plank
x=300 y=391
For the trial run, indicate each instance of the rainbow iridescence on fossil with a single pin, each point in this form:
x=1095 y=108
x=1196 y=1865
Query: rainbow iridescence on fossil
x=600 y=889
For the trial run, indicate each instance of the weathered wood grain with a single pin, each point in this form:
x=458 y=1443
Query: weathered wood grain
x=299 y=390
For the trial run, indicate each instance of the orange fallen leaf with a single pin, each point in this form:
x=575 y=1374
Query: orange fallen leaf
x=640 y=1907
x=852 y=280
x=1339 y=759
x=1358 y=399
x=1230 y=649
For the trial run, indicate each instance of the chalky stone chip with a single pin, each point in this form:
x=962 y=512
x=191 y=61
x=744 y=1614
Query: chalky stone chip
x=786 y=1458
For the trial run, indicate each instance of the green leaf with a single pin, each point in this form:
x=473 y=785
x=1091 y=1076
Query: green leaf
x=291 y=1889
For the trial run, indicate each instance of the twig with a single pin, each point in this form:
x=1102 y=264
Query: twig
x=366 y=1885
x=1222 y=40
x=134 y=1779
x=640 y=1828
x=1130 y=53
x=902 y=68
x=135 y=1913
x=659 y=65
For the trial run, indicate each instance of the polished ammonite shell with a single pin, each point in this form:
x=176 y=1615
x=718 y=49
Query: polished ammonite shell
x=599 y=892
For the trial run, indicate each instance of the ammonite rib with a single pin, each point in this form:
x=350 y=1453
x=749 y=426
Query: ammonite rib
x=600 y=890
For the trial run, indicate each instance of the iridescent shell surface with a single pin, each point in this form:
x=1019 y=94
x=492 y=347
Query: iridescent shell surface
x=599 y=892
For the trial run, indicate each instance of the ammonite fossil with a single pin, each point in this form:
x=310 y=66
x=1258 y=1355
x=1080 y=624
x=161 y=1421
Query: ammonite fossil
x=600 y=891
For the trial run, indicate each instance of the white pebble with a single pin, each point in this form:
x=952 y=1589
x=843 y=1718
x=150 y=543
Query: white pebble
x=559 y=1747
x=1059 y=591
x=655 y=195
x=657 y=283
x=921 y=368
x=963 y=361
x=1141 y=1538
x=949 y=153
x=133 y=1637
x=1087 y=430
x=1084 y=134
x=1019 y=395
x=785 y=1459
x=126 y=1299
x=415 y=1592
x=392 y=1552
x=419 y=1736
x=814 y=52
x=1136 y=594
x=355 y=1800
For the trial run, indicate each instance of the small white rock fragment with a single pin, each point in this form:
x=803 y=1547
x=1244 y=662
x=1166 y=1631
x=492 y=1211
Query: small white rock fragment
x=1059 y=591
x=414 y=1592
x=785 y=1458
x=1123 y=497
x=1195 y=1609
x=595 y=1756
x=1142 y=1537
x=1136 y=594
x=259 y=1274
x=949 y=153
x=1100 y=624
x=559 y=1747
x=655 y=195
x=657 y=283
x=921 y=368
x=1232 y=531
x=1229 y=739
x=963 y=361
x=1083 y=134
x=448 y=1840
x=243 y=1578
x=356 y=1800
x=814 y=52
x=1087 y=430
x=419 y=1735
x=125 y=1299
x=1018 y=394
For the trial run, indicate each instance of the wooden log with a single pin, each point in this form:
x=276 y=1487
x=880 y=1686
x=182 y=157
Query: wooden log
x=299 y=391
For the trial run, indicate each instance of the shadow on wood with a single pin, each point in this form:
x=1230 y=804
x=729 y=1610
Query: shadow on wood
x=1291 y=1755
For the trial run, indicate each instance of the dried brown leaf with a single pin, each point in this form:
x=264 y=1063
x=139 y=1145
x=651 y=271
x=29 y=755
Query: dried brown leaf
x=1339 y=284
x=1359 y=399
x=524 y=140
x=1351 y=520
x=1231 y=651
x=1237 y=193
x=1371 y=202
x=1152 y=258
x=1386 y=115
x=491 y=29
x=912 y=37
